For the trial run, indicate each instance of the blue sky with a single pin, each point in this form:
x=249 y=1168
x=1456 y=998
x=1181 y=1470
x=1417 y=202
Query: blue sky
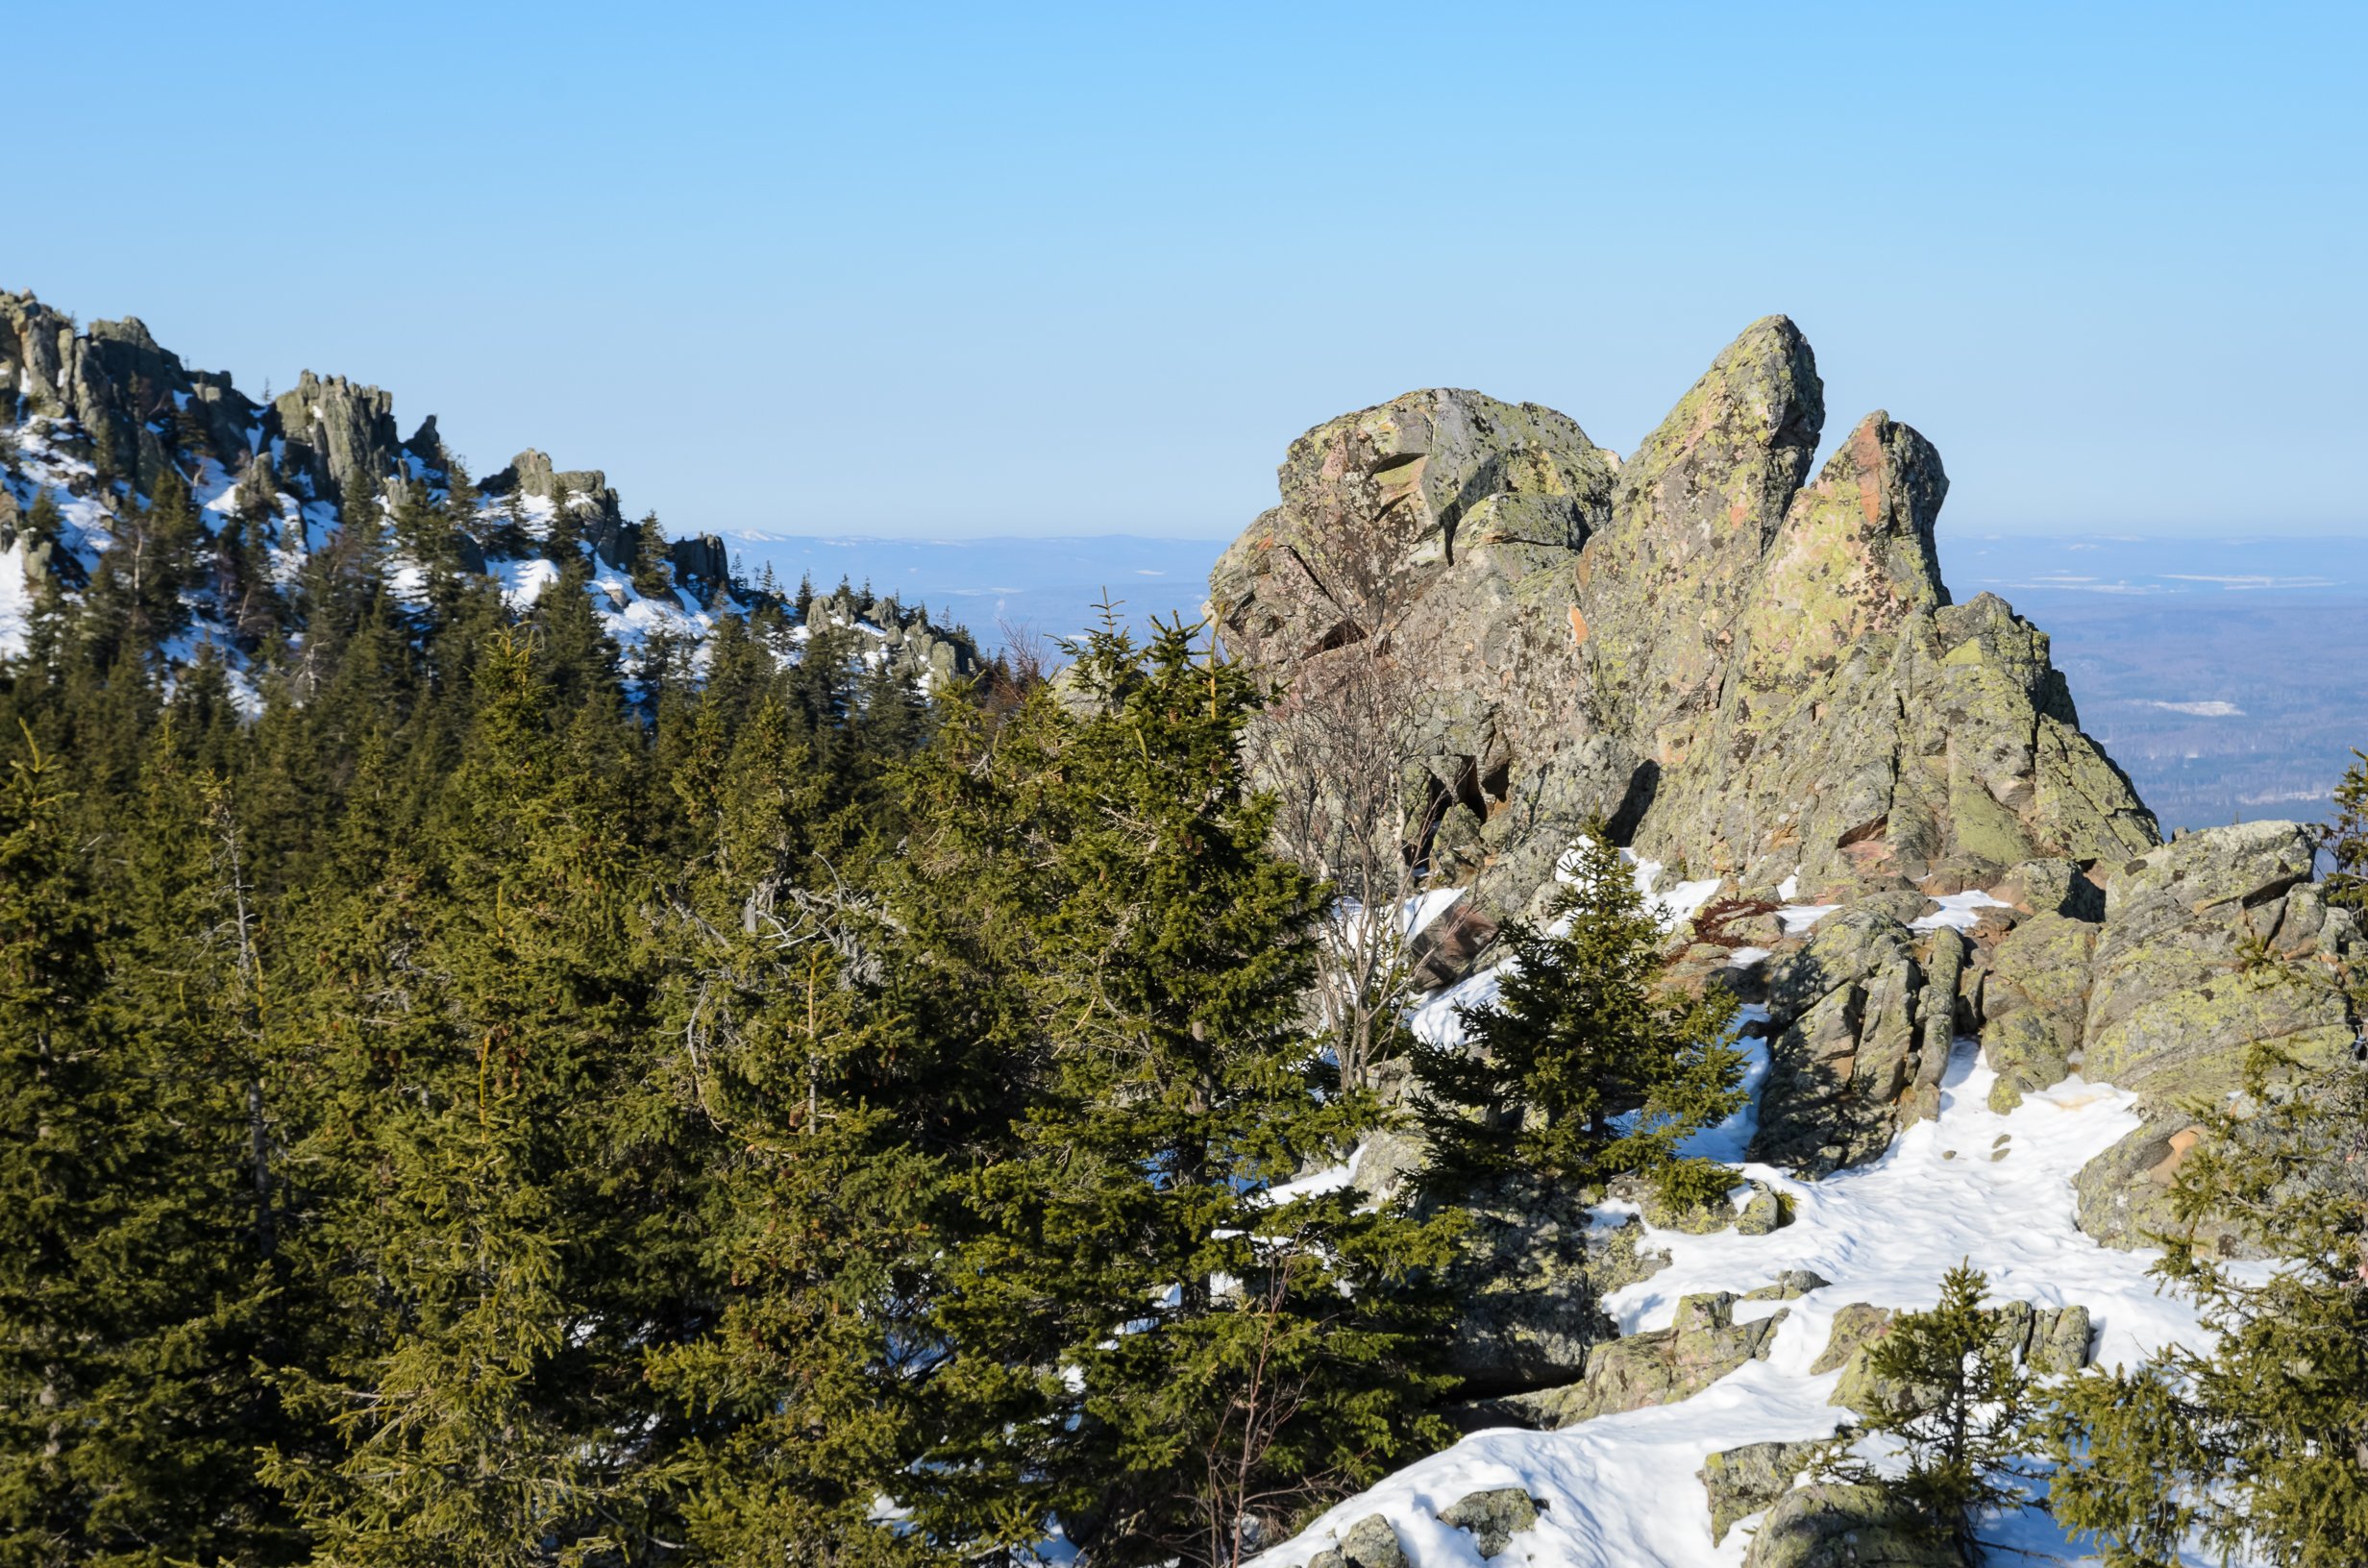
x=975 y=270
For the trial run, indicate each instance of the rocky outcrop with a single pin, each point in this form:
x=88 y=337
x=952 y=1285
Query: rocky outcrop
x=1434 y=538
x=1861 y=1021
x=1745 y=672
x=1750 y=673
x=1741 y=1482
x=1703 y=1344
x=902 y=634
x=584 y=492
x=336 y=434
x=1834 y=1526
x=111 y=398
x=1493 y=1517
x=700 y=559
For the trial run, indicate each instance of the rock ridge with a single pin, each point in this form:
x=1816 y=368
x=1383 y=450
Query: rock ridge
x=1756 y=674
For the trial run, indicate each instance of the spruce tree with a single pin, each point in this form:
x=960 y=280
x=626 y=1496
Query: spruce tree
x=135 y=1291
x=1142 y=1343
x=653 y=578
x=1587 y=1065
x=54 y=1170
x=2259 y=1444
x=804 y=1392
x=480 y=1177
x=1957 y=1425
x=2345 y=839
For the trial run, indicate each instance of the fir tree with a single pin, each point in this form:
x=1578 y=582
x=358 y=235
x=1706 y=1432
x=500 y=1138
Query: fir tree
x=652 y=577
x=1961 y=1421
x=1142 y=1343
x=1587 y=1065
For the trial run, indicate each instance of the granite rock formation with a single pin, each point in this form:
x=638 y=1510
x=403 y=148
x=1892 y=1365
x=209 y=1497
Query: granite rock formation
x=1756 y=674
x=118 y=402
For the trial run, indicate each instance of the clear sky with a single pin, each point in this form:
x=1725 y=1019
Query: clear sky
x=1043 y=269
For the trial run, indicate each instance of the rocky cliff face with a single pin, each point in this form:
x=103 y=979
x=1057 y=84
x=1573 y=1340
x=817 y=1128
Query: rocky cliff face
x=101 y=416
x=1758 y=675
x=1755 y=676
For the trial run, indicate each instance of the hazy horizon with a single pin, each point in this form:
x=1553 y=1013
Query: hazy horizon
x=1025 y=270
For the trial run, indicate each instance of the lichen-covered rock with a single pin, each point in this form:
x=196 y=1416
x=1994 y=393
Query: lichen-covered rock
x=1754 y=674
x=1437 y=537
x=1370 y=1542
x=1765 y=1211
x=1855 y=1326
x=1831 y=1525
x=1788 y=1286
x=2033 y=1001
x=2172 y=994
x=1845 y=1042
x=1744 y=1480
x=2054 y=886
x=1702 y=1345
x=1528 y=1280
x=1943 y=958
x=2178 y=994
x=1700 y=500
x=1493 y=1517
x=2060 y=1341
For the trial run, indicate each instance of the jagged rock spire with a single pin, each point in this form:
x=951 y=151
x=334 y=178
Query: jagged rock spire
x=1759 y=679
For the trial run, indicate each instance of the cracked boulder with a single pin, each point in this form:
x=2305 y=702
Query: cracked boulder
x=1747 y=671
x=1834 y=1526
x=1702 y=1345
x=1861 y=1021
x=1742 y=1482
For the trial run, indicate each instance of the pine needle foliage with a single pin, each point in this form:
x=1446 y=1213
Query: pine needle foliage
x=1143 y=1344
x=1587 y=1065
x=2258 y=1446
x=1956 y=1433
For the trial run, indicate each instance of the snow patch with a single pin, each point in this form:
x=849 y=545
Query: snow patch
x=1957 y=911
x=1621 y=1491
x=1800 y=918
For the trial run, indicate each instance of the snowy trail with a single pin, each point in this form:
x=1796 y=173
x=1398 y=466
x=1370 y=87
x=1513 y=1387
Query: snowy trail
x=1622 y=1490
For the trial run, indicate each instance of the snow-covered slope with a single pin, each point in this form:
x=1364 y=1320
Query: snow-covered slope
x=43 y=459
x=1622 y=1490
